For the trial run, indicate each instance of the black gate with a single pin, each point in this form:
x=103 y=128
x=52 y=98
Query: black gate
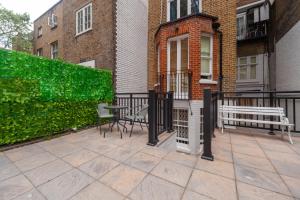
x=160 y=112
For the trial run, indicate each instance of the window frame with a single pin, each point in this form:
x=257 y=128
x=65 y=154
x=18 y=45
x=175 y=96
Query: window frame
x=39 y=32
x=248 y=67
x=210 y=58
x=189 y=8
x=52 y=50
x=244 y=16
x=39 y=52
x=83 y=11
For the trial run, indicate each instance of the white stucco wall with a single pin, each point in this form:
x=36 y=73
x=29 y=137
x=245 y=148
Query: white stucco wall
x=132 y=33
x=288 y=60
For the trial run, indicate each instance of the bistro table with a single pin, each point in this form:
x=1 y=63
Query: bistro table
x=116 y=113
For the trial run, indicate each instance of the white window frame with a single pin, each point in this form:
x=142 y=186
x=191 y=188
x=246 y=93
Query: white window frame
x=84 y=30
x=178 y=92
x=39 y=52
x=210 y=74
x=40 y=31
x=244 y=16
x=54 y=51
x=248 y=65
x=189 y=7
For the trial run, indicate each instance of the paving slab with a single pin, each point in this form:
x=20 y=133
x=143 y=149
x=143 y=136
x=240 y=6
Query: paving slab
x=249 y=192
x=173 y=172
x=262 y=179
x=65 y=186
x=142 y=161
x=31 y=195
x=190 y=195
x=80 y=157
x=217 y=167
x=154 y=188
x=8 y=170
x=35 y=161
x=181 y=158
x=97 y=191
x=214 y=186
x=47 y=172
x=14 y=187
x=62 y=149
x=123 y=179
x=23 y=152
x=293 y=184
x=252 y=161
x=99 y=166
x=120 y=154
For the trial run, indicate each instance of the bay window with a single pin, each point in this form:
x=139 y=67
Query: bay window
x=181 y=8
x=206 y=57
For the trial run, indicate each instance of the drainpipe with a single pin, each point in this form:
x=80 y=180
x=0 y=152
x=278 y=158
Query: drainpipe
x=216 y=27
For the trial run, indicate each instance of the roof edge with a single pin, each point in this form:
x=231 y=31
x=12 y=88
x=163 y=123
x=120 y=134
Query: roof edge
x=59 y=2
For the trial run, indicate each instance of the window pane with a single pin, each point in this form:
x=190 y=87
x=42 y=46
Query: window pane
x=205 y=46
x=89 y=16
x=243 y=72
x=253 y=72
x=173 y=56
x=173 y=10
x=195 y=6
x=86 y=18
x=205 y=65
x=183 y=8
x=184 y=54
x=243 y=61
x=253 y=60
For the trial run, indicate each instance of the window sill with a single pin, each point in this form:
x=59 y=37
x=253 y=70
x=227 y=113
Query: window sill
x=86 y=31
x=210 y=82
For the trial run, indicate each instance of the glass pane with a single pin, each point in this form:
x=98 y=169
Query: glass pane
x=195 y=6
x=205 y=46
x=184 y=54
x=173 y=10
x=205 y=65
x=243 y=72
x=253 y=72
x=85 y=18
x=89 y=16
x=173 y=56
x=253 y=60
x=183 y=8
x=243 y=61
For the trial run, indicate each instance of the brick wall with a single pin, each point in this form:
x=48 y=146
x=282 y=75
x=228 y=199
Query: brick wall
x=97 y=44
x=224 y=10
x=49 y=35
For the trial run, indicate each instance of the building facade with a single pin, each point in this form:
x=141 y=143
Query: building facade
x=95 y=33
x=253 y=21
x=285 y=41
x=191 y=46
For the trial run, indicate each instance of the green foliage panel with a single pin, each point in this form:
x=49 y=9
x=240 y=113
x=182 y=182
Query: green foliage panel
x=41 y=97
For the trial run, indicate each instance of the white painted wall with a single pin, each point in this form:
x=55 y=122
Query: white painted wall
x=132 y=34
x=288 y=60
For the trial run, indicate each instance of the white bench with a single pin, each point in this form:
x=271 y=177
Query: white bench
x=229 y=113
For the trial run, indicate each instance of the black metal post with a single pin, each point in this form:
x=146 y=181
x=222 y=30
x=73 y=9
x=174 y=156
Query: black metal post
x=271 y=118
x=169 y=114
x=152 y=116
x=131 y=108
x=207 y=126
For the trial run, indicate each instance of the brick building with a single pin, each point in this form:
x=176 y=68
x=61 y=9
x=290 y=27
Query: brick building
x=95 y=33
x=191 y=46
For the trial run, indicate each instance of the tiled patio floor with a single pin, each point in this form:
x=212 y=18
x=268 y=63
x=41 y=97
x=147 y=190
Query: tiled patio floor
x=86 y=166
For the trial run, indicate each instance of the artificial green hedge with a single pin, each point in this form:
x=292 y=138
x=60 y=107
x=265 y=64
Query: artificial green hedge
x=41 y=97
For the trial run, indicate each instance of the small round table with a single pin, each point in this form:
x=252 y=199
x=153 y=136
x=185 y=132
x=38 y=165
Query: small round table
x=116 y=119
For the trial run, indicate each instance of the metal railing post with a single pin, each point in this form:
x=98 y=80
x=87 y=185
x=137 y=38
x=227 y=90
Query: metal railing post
x=152 y=115
x=169 y=114
x=207 y=126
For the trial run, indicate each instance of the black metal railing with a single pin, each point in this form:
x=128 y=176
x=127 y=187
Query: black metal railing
x=134 y=102
x=254 y=31
x=180 y=82
x=289 y=100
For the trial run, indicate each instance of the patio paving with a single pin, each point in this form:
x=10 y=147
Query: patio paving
x=249 y=164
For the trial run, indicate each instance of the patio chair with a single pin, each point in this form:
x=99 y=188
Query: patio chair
x=103 y=114
x=139 y=116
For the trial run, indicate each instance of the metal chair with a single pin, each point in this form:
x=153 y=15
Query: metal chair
x=103 y=113
x=139 y=116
